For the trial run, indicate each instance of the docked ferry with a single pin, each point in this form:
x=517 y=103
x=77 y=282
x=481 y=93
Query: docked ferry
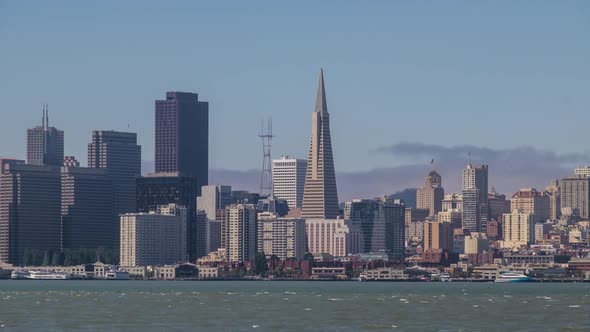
x=513 y=277
x=38 y=275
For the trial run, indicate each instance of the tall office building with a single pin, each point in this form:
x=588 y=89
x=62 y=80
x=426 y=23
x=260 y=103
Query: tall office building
x=119 y=154
x=86 y=208
x=320 y=196
x=518 y=229
x=288 y=180
x=281 y=237
x=45 y=145
x=431 y=195
x=497 y=205
x=529 y=200
x=475 y=197
x=369 y=216
x=212 y=201
x=155 y=238
x=395 y=229
x=182 y=136
x=554 y=200
x=30 y=210
x=239 y=232
x=438 y=235
x=157 y=189
x=574 y=192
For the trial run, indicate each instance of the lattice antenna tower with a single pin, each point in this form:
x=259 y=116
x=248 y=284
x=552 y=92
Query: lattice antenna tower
x=266 y=176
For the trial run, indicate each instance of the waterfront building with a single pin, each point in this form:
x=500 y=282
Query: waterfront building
x=119 y=154
x=475 y=197
x=431 y=195
x=238 y=232
x=182 y=136
x=86 y=208
x=529 y=200
x=320 y=196
x=336 y=237
x=438 y=235
x=518 y=229
x=452 y=202
x=154 y=238
x=157 y=189
x=288 y=180
x=368 y=215
x=574 y=192
x=30 y=209
x=281 y=237
x=45 y=145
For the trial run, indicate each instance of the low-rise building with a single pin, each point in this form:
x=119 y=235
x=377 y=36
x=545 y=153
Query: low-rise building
x=328 y=273
x=384 y=273
x=208 y=272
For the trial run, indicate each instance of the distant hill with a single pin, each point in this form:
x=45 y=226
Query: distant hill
x=407 y=195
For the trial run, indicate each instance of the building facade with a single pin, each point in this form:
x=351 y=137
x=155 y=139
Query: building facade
x=30 y=210
x=395 y=240
x=475 y=197
x=529 y=200
x=438 y=235
x=574 y=192
x=45 y=145
x=336 y=237
x=155 y=238
x=157 y=189
x=320 y=196
x=238 y=232
x=86 y=208
x=288 y=180
x=431 y=195
x=517 y=229
x=119 y=154
x=369 y=216
x=281 y=237
x=182 y=136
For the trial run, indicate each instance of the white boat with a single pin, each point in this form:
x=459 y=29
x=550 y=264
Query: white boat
x=445 y=277
x=47 y=275
x=117 y=275
x=513 y=277
x=19 y=274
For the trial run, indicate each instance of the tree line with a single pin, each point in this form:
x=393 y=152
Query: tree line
x=68 y=257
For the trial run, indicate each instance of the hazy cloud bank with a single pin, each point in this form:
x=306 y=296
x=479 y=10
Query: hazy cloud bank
x=510 y=169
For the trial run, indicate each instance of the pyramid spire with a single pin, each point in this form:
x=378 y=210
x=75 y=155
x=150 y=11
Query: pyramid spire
x=320 y=99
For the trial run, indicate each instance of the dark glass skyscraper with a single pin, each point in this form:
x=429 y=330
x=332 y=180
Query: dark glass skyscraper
x=45 y=145
x=119 y=154
x=182 y=136
x=30 y=204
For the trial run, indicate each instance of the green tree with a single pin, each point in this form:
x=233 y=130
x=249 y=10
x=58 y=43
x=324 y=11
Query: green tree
x=46 y=258
x=57 y=258
x=260 y=266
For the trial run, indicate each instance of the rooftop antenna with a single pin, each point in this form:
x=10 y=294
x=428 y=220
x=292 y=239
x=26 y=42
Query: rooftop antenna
x=266 y=177
x=469 y=157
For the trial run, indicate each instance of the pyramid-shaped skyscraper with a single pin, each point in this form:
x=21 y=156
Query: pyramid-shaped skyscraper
x=320 y=196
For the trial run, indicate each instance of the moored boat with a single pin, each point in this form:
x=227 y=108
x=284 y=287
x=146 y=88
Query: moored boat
x=513 y=277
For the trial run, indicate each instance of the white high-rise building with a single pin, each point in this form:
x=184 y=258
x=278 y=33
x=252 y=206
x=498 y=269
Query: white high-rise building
x=582 y=171
x=475 y=197
x=337 y=237
x=288 y=180
x=238 y=232
x=518 y=229
x=154 y=238
x=282 y=237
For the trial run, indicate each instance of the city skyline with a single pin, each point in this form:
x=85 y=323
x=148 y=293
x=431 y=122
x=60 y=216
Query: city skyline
x=506 y=72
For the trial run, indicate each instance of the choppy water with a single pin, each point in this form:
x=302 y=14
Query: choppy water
x=292 y=306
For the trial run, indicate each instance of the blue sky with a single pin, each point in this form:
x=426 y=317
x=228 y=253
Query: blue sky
x=494 y=74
